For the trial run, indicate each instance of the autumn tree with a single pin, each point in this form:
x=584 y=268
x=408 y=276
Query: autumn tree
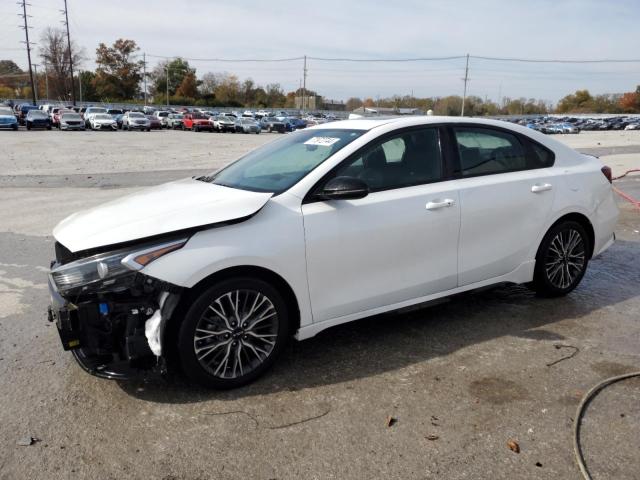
x=188 y=88
x=228 y=90
x=11 y=77
x=54 y=54
x=353 y=103
x=118 y=74
x=630 y=101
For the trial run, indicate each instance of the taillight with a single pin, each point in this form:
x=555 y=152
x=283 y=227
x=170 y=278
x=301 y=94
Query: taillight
x=606 y=171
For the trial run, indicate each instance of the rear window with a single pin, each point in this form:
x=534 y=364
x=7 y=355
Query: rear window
x=484 y=151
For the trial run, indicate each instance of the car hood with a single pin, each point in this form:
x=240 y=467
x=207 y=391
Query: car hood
x=157 y=210
x=10 y=117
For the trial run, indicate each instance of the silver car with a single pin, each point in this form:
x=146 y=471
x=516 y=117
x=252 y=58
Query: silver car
x=247 y=125
x=135 y=121
x=71 y=121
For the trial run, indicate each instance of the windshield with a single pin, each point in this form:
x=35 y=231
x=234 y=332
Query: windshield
x=279 y=165
x=96 y=110
x=37 y=114
x=70 y=116
x=136 y=115
x=5 y=111
x=103 y=116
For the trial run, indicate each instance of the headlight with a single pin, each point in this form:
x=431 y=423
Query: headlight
x=106 y=268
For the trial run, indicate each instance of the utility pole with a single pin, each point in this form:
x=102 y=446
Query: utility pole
x=80 y=83
x=46 y=80
x=26 y=34
x=167 y=67
x=144 y=76
x=304 y=85
x=66 y=22
x=35 y=80
x=466 y=79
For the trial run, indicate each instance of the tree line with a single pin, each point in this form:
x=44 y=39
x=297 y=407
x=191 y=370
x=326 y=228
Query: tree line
x=120 y=75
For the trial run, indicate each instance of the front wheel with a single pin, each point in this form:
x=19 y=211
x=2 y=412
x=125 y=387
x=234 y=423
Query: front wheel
x=233 y=332
x=562 y=259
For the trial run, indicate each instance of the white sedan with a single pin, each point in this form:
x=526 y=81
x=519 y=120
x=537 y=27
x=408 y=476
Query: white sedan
x=324 y=226
x=103 y=121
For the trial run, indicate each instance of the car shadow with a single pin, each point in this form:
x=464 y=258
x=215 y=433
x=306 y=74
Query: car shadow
x=388 y=342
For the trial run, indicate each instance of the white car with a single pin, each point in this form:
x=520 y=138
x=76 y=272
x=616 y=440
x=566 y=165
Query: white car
x=323 y=226
x=162 y=116
x=102 y=121
x=90 y=112
x=135 y=121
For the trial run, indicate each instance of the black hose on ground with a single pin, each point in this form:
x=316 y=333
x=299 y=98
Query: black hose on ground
x=580 y=412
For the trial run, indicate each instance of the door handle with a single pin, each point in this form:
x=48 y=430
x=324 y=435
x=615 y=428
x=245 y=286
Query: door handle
x=537 y=188
x=436 y=205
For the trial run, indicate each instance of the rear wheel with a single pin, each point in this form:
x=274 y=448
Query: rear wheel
x=233 y=333
x=562 y=259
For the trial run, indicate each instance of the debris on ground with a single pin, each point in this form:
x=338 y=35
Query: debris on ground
x=27 y=441
x=391 y=421
x=432 y=437
x=566 y=357
x=513 y=446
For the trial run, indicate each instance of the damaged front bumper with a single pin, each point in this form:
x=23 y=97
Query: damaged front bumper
x=116 y=333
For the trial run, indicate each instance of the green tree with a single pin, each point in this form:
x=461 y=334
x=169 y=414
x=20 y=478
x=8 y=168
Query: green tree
x=118 y=74
x=176 y=69
x=87 y=84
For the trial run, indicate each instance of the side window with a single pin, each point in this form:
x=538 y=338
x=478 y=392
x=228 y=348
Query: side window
x=542 y=158
x=483 y=151
x=410 y=158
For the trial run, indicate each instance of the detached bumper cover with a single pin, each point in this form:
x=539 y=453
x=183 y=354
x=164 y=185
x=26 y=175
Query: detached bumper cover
x=106 y=331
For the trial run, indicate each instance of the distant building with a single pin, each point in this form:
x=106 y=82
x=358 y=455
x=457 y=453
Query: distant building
x=311 y=102
x=317 y=102
x=335 y=105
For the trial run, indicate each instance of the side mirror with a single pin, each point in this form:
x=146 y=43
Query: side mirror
x=344 y=188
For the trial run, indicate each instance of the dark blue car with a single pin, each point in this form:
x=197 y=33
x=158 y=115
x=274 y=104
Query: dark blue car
x=37 y=119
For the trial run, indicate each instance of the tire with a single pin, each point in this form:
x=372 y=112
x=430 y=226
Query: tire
x=556 y=273
x=257 y=352
x=269 y=129
x=48 y=127
x=28 y=127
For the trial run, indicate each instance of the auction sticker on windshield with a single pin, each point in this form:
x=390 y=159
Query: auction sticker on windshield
x=322 y=141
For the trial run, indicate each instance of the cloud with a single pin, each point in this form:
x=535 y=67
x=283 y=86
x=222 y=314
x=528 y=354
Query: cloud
x=412 y=28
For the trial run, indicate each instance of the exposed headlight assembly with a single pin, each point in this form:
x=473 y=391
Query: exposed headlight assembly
x=107 y=268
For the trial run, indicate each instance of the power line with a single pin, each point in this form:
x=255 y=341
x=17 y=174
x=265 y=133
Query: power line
x=234 y=60
x=419 y=59
x=532 y=60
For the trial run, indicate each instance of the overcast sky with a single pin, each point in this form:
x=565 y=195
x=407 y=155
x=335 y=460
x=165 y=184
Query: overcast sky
x=553 y=29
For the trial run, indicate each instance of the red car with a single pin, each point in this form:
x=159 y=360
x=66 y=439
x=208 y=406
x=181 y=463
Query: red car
x=196 y=122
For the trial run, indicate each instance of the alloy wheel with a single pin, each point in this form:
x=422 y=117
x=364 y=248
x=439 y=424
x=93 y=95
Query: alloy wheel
x=236 y=333
x=566 y=258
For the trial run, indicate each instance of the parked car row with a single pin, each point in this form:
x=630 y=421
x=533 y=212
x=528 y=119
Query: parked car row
x=551 y=125
x=147 y=119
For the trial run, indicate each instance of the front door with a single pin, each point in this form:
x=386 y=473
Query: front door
x=398 y=243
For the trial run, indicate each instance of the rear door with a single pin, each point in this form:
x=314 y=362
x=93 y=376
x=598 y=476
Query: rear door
x=398 y=243
x=506 y=190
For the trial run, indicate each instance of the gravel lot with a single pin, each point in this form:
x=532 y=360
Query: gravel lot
x=461 y=378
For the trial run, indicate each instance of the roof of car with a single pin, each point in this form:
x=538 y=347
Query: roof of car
x=370 y=123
